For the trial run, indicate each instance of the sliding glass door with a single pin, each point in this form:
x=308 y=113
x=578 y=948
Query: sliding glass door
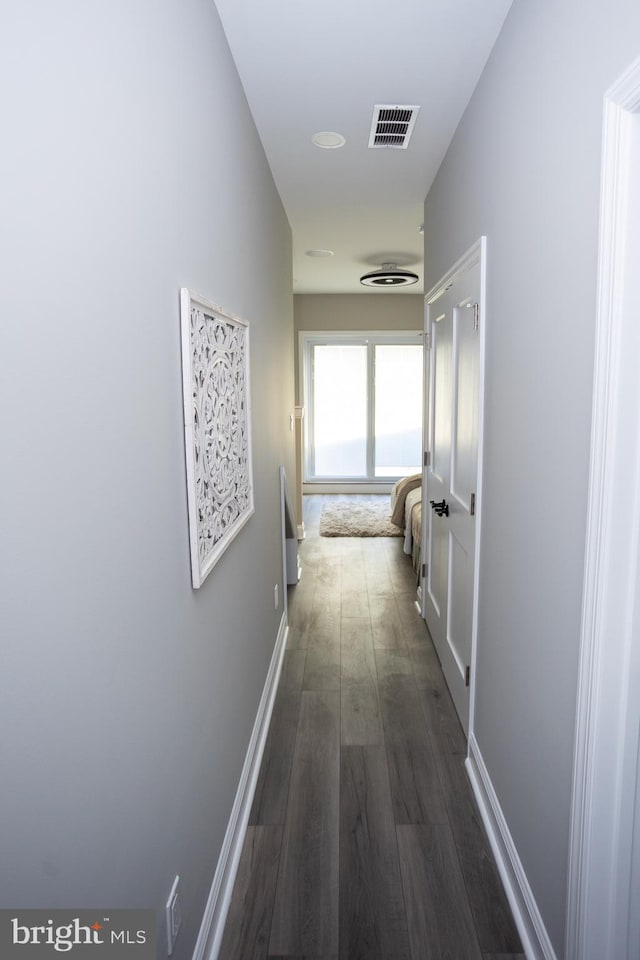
x=363 y=397
x=397 y=435
x=339 y=410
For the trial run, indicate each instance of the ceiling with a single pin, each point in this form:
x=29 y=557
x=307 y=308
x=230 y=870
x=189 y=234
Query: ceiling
x=318 y=66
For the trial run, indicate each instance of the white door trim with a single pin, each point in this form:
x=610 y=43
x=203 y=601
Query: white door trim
x=475 y=254
x=599 y=909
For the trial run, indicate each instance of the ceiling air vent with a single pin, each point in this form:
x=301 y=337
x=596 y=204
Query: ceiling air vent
x=392 y=126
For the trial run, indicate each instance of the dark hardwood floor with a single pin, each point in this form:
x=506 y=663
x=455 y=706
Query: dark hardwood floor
x=364 y=840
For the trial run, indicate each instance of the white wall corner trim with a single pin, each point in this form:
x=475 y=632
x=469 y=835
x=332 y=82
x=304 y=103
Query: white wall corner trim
x=535 y=940
x=212 y=927
x=599 y=909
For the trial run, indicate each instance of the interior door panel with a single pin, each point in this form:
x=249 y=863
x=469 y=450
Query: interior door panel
x=451 y=479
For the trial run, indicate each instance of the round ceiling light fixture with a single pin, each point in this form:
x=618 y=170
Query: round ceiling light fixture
x=319 y=253
x=328 y=140
x=389 y=275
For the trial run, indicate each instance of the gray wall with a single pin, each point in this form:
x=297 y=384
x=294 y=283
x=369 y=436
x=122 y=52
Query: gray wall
x=524 y=169
x=130 y=166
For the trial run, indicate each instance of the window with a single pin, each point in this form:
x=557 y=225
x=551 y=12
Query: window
x=363 y=400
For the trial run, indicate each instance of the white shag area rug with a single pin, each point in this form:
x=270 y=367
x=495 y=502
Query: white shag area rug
x=360 y=518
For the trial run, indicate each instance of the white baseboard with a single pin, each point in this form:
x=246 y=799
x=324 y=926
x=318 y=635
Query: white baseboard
x=215 y=914
x=533 y=933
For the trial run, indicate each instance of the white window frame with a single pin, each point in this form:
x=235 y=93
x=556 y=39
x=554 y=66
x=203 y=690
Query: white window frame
x=307 y=340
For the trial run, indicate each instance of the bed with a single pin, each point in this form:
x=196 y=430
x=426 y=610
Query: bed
x=406 y=512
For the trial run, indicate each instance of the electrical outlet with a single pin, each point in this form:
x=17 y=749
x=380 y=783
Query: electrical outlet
x=174 y=916
x=275 y=597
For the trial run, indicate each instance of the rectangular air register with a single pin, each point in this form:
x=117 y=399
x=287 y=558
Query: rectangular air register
x=392 y=125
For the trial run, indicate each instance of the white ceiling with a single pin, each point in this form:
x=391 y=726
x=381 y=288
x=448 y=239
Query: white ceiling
x=315 y=66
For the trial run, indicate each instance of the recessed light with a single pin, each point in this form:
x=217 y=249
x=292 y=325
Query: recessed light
x=328 y=140
x=319 y=253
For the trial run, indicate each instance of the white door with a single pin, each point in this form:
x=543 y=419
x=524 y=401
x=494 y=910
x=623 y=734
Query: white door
x=451 y=476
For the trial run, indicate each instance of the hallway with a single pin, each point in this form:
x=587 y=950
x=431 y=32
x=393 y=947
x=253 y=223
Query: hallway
x=364 y=841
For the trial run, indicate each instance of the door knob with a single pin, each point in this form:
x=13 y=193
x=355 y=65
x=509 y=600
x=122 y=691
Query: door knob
x=441 y=507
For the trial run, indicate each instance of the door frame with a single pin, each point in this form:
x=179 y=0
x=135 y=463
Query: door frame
x=605 y=814
x=476 y=254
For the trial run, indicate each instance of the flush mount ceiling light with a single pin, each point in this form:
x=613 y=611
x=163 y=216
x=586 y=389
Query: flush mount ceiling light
x=389 y=275
x=328 y=140
x=319 y=253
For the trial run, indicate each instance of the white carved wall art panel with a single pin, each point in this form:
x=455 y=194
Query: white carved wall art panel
x=217 y=429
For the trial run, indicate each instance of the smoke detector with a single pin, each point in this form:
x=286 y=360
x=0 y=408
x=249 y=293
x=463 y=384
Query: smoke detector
x=389 y=275
x=392 y=125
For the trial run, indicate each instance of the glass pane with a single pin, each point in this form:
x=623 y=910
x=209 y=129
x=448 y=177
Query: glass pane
x=398 y=410
x=340 y=410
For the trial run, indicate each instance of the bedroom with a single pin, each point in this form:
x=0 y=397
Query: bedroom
x=315 y=317
x=343 y=314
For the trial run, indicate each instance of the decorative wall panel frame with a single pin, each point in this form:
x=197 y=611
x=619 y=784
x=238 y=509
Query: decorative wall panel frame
x=217 y=428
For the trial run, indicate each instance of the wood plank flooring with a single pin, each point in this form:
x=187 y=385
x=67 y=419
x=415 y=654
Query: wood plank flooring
x=364 y=840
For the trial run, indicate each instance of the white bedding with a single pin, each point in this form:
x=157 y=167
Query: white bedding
x=413 y=497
